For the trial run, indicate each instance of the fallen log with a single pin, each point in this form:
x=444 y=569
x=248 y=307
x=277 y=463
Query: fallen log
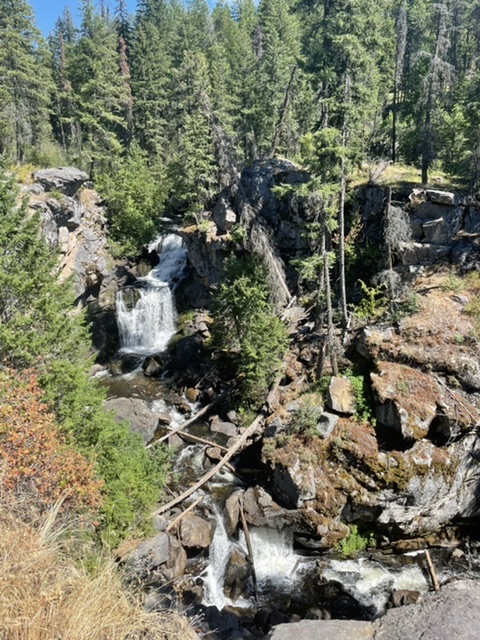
x=248 y=540
x=431 y=570
x=226 y=458
x=192 y=438
x=183 y=513
x=184 y=425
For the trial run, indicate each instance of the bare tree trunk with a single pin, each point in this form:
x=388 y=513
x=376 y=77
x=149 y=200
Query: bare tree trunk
x=330 y=327
x=341 y=245
x=341 y=209
x=283 y=113
x=402 y=27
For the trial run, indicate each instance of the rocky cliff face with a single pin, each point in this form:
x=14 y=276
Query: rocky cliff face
x=74 y=224
x=410 y=468
x=249 y=216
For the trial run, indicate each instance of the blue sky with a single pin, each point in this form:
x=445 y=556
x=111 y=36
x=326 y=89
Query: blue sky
x=47 y=11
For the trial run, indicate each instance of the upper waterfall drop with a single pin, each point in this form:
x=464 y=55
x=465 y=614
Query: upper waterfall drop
x=150 y=324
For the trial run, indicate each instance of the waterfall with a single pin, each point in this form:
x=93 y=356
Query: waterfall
x=274 y=558
x=219 y=554
x=148 y=327
x=370 y=583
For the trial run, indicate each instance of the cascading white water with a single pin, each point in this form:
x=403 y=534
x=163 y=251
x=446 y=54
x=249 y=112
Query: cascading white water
x=273 y=556
x=370 y=583
x=274 y=559
x=279 y=569
x=148 y=327
x=219 y=553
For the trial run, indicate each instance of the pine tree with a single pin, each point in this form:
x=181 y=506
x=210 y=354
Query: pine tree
x=278 y=64
x=152 y=75
x=100 y=91
x=25 y=81
x=61 y=43
x=438 y=76
x=192 y=168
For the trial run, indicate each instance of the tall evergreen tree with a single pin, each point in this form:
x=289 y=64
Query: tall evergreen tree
x=100 y=91
x=152 y=69
x=61 y=42
x=25 y=81
x=192 y=168
x=278 y=64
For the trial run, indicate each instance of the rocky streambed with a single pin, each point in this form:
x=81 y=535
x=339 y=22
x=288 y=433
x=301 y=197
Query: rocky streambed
x=384 y=456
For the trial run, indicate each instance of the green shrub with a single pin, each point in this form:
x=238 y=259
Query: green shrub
x=373 y=303
x=244 y=324
x=355 y=542
x=308 y=415
x=238 y=234
x=134 y=195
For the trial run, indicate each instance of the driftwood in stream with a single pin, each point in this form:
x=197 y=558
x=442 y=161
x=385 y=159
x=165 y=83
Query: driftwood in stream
x=248 y=540
x=184 y=425
x=431 y=570
x=184 y=513
x=226 y=458
x=189 y=436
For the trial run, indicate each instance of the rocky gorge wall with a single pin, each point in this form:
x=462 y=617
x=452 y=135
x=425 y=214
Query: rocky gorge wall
x=411 y=469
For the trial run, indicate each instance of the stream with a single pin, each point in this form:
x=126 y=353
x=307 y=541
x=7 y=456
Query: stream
x=292 y=583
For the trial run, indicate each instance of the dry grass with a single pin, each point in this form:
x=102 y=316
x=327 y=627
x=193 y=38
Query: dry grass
x=387 y=174
x=44 y=596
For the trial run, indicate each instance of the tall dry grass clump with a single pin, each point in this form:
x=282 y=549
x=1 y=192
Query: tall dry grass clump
x=45 y=596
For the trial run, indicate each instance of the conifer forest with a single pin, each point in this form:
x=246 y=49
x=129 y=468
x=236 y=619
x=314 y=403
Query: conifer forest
x=240 y=320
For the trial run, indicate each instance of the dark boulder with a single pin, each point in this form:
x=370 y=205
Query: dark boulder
x=67 y=180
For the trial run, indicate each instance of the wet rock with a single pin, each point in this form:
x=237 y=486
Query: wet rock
x=237 y=571
x=226 y=428
x=226 y=625
x=67 y=180
x=188 y=353
x=192 y=394
x=136 y=412
x=232 y=512
x=153 y=366
x=340 y=396
x=164 y=419
x=403 y=597
x=213 y=453
x=195 y=532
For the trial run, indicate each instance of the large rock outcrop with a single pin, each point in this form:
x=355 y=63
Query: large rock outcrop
x=249 y=216
x=453 y=612
x=74 y=224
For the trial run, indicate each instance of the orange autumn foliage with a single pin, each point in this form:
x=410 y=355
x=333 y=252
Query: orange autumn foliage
x=35 y=459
